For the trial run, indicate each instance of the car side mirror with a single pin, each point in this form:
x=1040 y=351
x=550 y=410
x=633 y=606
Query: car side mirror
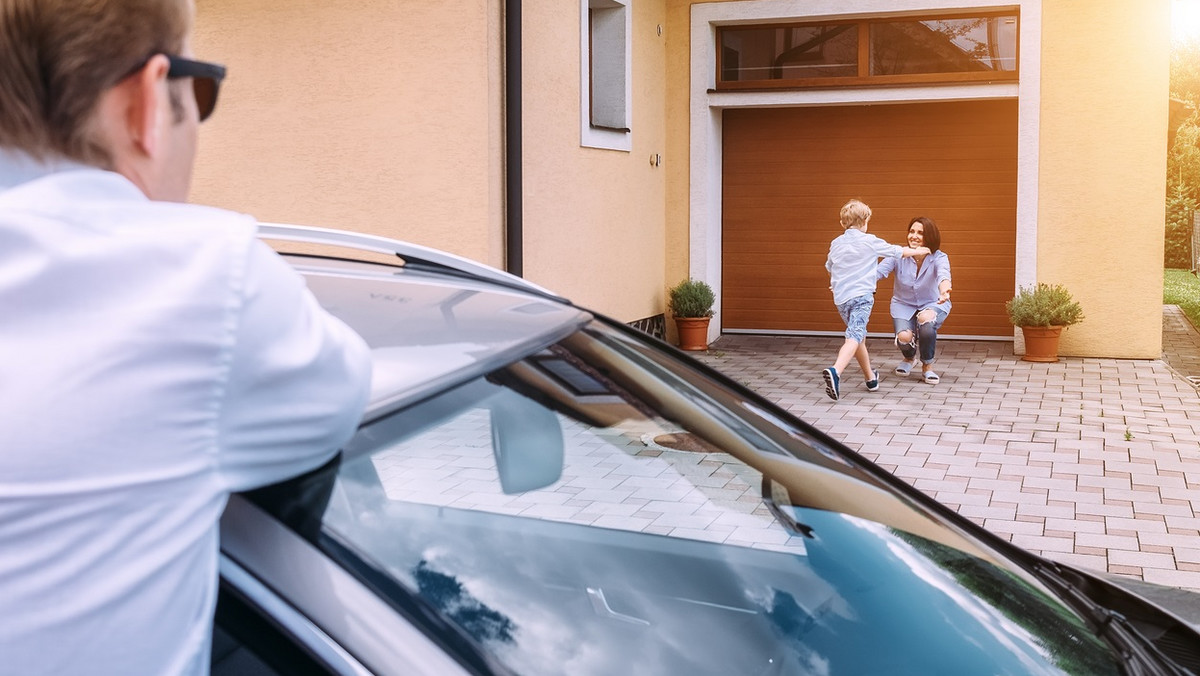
x=527 y=442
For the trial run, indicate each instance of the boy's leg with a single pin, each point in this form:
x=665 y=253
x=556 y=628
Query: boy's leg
x=855 y=312
x=847 y=352
x=832 y=376
x=864 y=362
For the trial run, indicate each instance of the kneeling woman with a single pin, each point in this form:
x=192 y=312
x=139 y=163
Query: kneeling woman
x=921 y=297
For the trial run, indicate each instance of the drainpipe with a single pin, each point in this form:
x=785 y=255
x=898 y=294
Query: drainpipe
x=513 y=231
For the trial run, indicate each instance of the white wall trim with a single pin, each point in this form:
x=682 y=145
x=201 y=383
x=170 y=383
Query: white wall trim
x=704 y=238
x=590 y=137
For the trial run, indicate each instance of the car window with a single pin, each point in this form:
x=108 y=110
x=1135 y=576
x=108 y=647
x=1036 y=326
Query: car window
x=247 y=643
x=598 y=507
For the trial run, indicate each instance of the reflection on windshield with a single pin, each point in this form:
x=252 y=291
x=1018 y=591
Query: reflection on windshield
x=449 y=596
x=651 y=549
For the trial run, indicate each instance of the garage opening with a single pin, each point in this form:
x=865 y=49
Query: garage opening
x=787 y=172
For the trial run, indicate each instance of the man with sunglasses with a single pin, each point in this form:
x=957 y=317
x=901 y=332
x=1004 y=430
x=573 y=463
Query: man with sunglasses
x=155 y=355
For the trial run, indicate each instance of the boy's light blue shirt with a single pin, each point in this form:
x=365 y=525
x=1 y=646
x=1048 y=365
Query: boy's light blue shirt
x=851 y=263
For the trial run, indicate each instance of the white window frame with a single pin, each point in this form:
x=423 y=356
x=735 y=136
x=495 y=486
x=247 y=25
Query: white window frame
x=593 y=137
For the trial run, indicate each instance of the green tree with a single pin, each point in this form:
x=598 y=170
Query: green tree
x=1180 y=206
x=1183 y=157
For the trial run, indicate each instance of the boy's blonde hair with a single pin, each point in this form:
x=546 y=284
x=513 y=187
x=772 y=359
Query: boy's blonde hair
x=854 y=213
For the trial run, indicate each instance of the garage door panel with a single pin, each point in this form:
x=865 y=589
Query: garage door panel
x=762 y=296
x=816 y=192
x=930 y=146
x=788 y=171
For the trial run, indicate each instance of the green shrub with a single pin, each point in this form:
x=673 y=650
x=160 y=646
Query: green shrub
x=691 y=298
x=1182 y=288
x=1043 y=305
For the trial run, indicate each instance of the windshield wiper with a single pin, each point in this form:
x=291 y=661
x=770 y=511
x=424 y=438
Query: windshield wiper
x=1139 y=654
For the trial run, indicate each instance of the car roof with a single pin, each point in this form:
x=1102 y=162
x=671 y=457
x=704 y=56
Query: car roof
x=429 y=329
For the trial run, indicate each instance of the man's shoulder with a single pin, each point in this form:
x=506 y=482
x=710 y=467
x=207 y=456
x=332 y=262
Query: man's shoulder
x=106 y=201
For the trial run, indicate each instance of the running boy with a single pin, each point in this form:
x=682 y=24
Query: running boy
x=851 y=264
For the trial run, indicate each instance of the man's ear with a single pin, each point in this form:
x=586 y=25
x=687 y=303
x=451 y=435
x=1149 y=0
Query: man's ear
x=148 y=106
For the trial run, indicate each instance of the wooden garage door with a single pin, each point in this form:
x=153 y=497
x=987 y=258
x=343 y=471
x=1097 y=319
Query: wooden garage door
x=787 y=172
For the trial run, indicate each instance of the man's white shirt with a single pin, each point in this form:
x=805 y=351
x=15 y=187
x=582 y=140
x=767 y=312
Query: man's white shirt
x=154 y=357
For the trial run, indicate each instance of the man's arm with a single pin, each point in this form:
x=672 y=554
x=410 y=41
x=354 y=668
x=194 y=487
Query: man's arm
x=298 y=379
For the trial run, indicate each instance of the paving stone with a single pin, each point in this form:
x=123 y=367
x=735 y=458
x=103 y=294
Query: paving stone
x=1005 y=440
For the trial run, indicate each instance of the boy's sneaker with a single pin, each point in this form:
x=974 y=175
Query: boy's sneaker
x=873 y=384
x=832 y=383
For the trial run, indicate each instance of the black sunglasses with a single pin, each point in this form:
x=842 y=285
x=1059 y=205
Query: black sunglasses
x=206 y=81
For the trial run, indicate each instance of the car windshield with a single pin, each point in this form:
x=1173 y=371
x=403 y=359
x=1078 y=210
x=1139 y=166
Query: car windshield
x=602 y=507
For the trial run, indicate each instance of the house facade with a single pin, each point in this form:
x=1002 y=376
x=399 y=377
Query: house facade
x=662 y=139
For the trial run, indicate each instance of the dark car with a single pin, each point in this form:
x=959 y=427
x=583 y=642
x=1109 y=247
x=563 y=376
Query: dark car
x=538 y=489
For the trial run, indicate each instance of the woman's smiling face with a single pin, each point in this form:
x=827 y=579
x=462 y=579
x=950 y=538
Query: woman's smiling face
x=916 y=235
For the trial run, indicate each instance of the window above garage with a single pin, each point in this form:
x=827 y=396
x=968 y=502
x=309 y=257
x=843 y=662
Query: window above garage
x=978 y=47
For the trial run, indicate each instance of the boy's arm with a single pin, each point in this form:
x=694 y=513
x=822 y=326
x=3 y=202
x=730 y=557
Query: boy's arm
x=885 y=268
x=884 y=250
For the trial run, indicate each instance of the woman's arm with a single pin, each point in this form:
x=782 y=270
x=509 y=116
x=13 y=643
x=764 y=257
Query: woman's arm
x=944 y=283
x=943 y=291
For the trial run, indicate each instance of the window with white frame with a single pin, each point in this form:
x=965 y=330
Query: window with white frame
x=605 y=74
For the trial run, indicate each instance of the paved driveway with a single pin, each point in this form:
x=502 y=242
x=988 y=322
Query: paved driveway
x=1094 y=462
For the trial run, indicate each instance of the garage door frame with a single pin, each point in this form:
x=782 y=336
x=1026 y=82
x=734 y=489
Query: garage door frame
x=706 y=105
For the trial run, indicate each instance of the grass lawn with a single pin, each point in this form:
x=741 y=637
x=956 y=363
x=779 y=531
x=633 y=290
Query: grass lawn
x=1182 y=288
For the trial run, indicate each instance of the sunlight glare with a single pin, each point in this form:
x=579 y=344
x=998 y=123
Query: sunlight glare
x=1185 y=20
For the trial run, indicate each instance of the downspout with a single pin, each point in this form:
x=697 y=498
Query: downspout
x=513 y=231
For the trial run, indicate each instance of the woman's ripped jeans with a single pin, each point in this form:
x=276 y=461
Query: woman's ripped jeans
x=920 y=331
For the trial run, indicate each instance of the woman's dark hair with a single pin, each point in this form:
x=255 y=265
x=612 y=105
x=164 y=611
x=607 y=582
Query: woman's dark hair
x=933 y=238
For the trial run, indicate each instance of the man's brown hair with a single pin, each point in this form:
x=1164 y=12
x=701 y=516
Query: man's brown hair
x=59 y=56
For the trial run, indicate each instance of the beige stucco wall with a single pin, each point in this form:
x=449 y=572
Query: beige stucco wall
x=593 y=219
x=1102 y=169
x=387 y=118
x=1100 y=163
x=370 y=115
x=678 y=143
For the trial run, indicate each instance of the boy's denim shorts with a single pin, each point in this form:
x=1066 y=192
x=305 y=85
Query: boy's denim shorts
x=855 y=312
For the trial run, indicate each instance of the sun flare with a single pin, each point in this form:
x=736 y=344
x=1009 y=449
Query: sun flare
x=1185 y=20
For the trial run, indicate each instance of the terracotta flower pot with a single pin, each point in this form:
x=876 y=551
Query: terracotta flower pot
x=1041 y=343
x=693 y=332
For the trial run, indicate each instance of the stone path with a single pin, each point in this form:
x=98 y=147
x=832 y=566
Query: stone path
x=1094 y=462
